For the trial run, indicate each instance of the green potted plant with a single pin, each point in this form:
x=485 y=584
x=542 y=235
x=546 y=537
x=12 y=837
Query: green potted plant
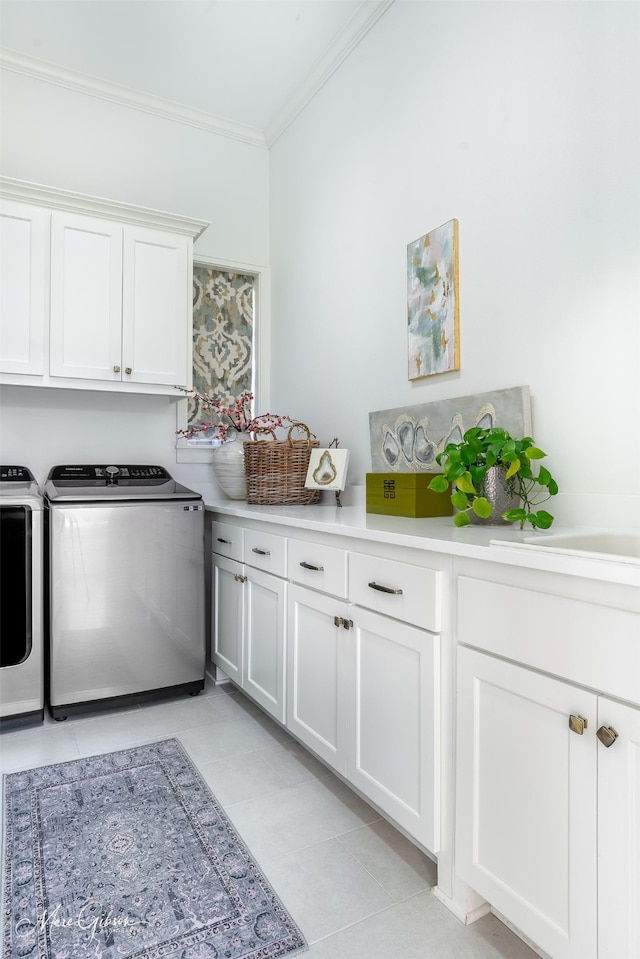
x=489 y=461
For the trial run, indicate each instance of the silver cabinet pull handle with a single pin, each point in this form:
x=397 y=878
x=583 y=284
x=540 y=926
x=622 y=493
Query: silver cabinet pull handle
x=316 y=569
x=385 y=589
x=261 y=552
x=221 y=540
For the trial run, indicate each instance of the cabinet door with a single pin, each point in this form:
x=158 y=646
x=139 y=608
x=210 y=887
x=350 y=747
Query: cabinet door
x=619 y=833
x=526 y=801
x=228 y=616
x=394 y=721
x=316 y=662
x=264 y=641
x=24 y=260
x=157 y=307
x=86 y=297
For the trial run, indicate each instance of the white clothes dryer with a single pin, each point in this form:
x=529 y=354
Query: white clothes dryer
x=21 y=598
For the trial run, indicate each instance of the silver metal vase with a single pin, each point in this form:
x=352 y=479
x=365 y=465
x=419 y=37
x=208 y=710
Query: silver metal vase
x=501 y=493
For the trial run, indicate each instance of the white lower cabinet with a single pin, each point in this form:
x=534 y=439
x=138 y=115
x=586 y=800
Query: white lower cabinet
x=227 y=627
x=317 y=672
x=618 y=831
x=393 y=721
x=248 y=631
x=363 y=694
x=539 y=754
x=263 y=666
x=548 y=768
x=526 y=802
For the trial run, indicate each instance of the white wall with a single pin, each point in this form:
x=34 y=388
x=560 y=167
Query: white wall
x=522 y=120
x=65 y=139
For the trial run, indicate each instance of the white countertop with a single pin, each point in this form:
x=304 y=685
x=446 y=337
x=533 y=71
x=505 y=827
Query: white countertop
x=436 y=534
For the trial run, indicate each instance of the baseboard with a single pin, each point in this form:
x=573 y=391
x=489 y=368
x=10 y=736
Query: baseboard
x=466 y=917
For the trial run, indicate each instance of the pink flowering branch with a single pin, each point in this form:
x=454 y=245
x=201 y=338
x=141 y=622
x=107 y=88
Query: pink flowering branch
x=237 y=417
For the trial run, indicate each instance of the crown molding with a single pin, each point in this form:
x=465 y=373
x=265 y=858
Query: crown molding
x=365 y=17
x=56 y=199
x=124 y=96
x=347 y=40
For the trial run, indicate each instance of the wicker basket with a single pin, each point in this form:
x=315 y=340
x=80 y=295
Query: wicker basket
x=276 y=470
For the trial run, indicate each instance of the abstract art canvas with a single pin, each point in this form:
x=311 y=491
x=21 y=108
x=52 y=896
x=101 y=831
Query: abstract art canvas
x=408 y=439
x=432 y=302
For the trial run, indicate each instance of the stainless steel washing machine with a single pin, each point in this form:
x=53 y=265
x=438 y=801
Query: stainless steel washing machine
x=126 y=587
x=21 y=602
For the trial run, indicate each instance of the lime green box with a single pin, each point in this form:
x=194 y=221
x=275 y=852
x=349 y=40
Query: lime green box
x=405 y=494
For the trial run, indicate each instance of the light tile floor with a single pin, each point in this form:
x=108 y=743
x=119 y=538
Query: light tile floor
x=356 y=887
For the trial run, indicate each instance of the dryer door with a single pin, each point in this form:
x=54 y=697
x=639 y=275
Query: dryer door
x=15 y=584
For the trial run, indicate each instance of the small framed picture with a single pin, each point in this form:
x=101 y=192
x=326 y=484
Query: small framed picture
x=327 y=469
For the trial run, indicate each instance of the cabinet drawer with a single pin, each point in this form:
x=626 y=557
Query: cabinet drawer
x=226 y=540
x=585 y=643
x=266 y=551
x=320 y=567
x=406 y=592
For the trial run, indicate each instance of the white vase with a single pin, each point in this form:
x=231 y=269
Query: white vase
x=228 y=465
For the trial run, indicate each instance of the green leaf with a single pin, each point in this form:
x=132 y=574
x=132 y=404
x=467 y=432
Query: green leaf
x=453 y=470
x=461 y=519
x=439 y=484
x=544 y=476
x=541 y=519
x=533 y=453
x=460 y=500
x=553 y=487
x=515 y=515
x=481 y=507
x=513 y=468
x=465 y=483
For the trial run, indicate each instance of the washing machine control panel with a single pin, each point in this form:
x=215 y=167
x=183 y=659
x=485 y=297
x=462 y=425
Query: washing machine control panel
x=15 y=474
x=109 y=475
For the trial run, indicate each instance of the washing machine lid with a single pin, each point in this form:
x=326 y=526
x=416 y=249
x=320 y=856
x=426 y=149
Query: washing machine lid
x=18 y=486
x=111 y=482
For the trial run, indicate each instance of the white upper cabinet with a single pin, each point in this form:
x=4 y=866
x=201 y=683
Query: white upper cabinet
x=24 y=260
x=86 y=297
x=156 y=343
x=120 y=296
x=95 y=294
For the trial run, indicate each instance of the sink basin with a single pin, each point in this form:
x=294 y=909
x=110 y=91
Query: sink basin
x=622 y=546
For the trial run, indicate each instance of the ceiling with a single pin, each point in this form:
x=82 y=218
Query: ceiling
x=247 y=64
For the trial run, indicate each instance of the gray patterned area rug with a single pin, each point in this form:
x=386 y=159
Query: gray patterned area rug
x=129 y=856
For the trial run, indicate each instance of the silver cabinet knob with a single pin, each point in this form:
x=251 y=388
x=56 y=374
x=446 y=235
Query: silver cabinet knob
x=116 y=369
x=607 y=735
x=128 y=370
